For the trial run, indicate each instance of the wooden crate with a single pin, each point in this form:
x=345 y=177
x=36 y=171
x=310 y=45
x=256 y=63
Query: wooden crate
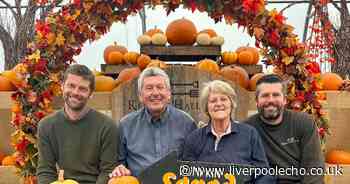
x=111 y=70
x=8 y=175
x=332 y=178
x=181 y=53
x=338 y=108
x=250 y=69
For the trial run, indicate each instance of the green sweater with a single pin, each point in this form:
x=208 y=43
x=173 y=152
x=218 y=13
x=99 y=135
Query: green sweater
x=85 y=149
x=293 y=143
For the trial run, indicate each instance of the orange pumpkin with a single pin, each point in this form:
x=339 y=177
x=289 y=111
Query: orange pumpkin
x=113 y=48
x=115 y=58
x=229 y=57
x=181 y=32
x=143 y=61
x=236 y=74
x=338 y=157
x=15 y=78
x=127 y=74
x=153 y=31
x=6 y=84
x=246 y=59
x=210 y=32
x=8 y=161
x=104 y=83
x=208 y=65
x=253 y=80
x=124 y=180
x=131 y=57
x=331 y=81
x=2 y=156
x=157 y=63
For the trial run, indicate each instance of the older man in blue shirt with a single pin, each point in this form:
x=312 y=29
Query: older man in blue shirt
x=153 y=131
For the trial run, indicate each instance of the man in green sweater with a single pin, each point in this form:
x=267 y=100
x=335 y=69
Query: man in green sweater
x=77 y=139
x=290 y=139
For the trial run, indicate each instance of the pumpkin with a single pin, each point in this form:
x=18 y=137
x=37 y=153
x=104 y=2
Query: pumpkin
x=113 y=48
x=331 y=81
x=181 y=32
x=2 y=156
x=217 y=40
x=236 y=74
x=124 y=180
x=8 y=161
x=338 y=157
x=210 y=32
x=131 y=57
x=127 y=74
x=203 y=39
x=143 y=61
x=248 y=59
x=153 y=31
x=115 y=58
x=6 y=84
x=61 y=179
x=144 y=40
x=157 y=63
x=229 y=57
x=159 y=39
x=208 y=65
x=253 y=80
x=16 y=108
x=15 y=78
x=245 y=58
x=104 y=83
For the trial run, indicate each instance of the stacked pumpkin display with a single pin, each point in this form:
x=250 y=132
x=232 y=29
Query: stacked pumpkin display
x=180 y=32
x=243 y=55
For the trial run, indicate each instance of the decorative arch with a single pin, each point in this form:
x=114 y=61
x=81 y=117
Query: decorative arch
x=61 y=35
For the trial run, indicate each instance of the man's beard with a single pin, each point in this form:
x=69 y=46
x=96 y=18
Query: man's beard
x=75 y=107
x=270 y=115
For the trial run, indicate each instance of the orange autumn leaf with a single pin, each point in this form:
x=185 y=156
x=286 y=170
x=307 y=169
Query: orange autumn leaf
x=60 y=39
x=259 y=33
x=288 y=60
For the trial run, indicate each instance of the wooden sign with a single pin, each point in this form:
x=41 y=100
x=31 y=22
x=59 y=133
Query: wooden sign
x=186 y=83
x=181 y=52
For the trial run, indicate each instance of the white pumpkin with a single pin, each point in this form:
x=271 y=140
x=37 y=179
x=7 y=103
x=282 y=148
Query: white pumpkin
x=144 y=40
x=203 y=39
x=159 y=39
x=217 y=40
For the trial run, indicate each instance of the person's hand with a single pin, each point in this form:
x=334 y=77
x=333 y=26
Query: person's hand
x=120 y=170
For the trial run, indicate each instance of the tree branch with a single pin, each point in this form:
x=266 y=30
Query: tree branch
x=49 y=8
x=18 y=7
x=307 y=20
x=288 y=6
x=336 y=6
x=9 y=7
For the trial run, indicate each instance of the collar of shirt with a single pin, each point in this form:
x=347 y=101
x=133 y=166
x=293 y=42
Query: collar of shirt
x=82 y=115
x=227 y=131
x=232 y=127
x=162 y=118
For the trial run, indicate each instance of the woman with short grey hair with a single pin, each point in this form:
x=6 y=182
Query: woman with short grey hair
x=224 y=140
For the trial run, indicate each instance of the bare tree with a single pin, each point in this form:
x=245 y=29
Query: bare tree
x=342 y=41
x=17 y=23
